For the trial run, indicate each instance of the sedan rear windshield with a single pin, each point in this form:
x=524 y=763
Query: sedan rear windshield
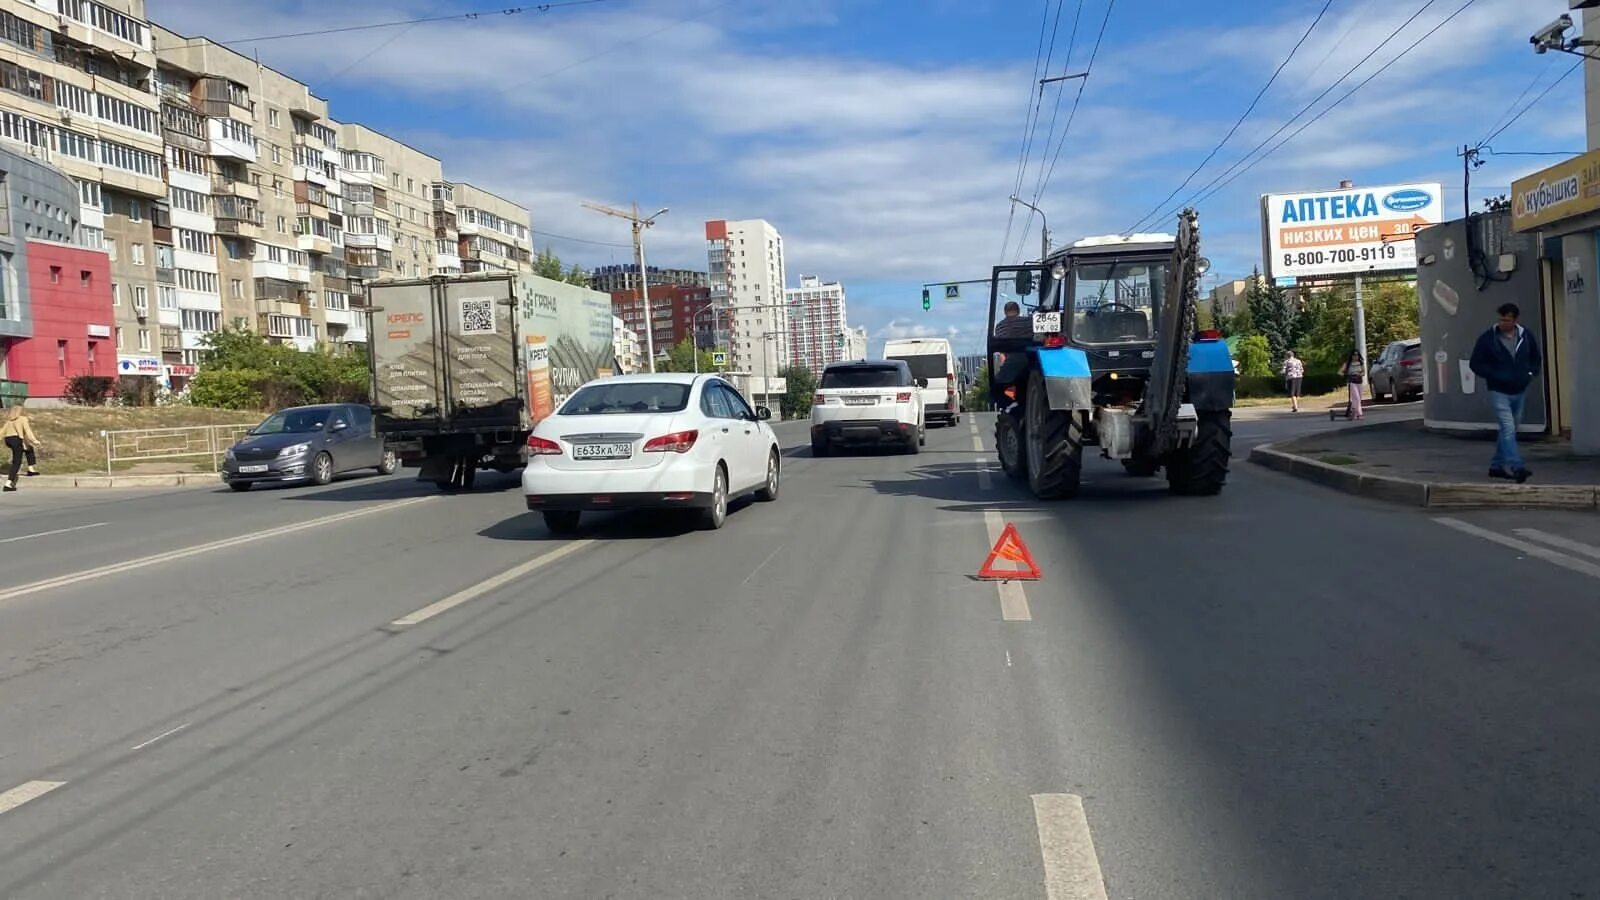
x=627 y=397
x=861 y=377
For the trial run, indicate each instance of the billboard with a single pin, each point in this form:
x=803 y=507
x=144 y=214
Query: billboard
x=479 y=355
x=1348 y=231
x=567 y=340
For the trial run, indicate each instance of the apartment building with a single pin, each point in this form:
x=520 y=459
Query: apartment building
x=390 y=204
x=746 y=266
x=817 y=325
x=855 y=343
x=495 y=233
x=77 y=91
x=611 y=279
x=675 y=312
x=626 y=346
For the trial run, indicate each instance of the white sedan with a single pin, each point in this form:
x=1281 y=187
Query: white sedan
x=663 y=441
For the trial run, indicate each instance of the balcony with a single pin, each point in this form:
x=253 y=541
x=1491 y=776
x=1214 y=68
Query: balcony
x=171 y=339
x=230 y=143
x=363 y=273
x=315 y=243
x=446 y=261
x=223 y=186
x=378 y=241
x=245 y=224
x=166 y=275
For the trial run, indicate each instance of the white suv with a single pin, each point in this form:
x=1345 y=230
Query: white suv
x=873 y=402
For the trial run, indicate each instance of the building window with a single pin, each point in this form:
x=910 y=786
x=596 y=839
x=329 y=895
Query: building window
x=144 y=339
x=272 y=118
x=61 y=358
x=168 y=295
x=236 y=288
x=90 y=357
x=119 y=337
x=283 y=225
x=55 y=274
x=141 y=298
x=84 y=278
x=111 y=248
x=136 y=252
x=201 y=320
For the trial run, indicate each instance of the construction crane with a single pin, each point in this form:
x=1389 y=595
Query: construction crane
x=639 y=225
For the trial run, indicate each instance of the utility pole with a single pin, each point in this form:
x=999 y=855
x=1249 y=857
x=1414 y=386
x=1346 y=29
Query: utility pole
x=1361 y=337
x=1471 y=158
x=639 y=225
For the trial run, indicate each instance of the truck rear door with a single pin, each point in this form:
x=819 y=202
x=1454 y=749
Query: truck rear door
x=406 y=352
x=480 y=351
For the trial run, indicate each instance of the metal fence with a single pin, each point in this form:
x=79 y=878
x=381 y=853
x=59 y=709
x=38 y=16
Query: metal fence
x=157 y=444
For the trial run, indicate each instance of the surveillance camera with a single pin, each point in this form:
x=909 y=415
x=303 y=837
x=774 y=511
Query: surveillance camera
x=1552 y=36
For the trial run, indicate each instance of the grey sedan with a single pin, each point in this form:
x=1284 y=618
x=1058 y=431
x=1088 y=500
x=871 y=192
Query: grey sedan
x=307 y=444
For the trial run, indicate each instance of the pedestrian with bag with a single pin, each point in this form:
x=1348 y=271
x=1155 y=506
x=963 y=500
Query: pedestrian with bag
x=1507 y=358
x=1354 y=371
x=17 y=434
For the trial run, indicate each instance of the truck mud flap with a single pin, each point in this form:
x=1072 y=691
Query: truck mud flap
x=1068 y=384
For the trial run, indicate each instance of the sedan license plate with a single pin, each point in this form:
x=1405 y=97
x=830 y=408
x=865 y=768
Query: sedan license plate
x=602 y=451
x=251 y=470
x=860 y=401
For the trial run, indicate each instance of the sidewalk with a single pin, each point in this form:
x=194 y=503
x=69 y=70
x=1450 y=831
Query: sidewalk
x=1404 y=463
x=119 y=480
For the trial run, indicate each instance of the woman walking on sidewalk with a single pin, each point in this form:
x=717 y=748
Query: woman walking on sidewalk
x=17 y=432
x=1294 y=373
x=1354 y=371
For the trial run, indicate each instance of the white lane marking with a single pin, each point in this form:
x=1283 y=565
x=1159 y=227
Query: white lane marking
x=159 y=558
x=1071 y=869
x=757 y=570
x=29 y=537
x=1013 y=600
x=164 y=734
x=1008 y=659
x=1534 y=534
x=1552 y=556
x=489 y=584
x=985 y=482
x=22 y=793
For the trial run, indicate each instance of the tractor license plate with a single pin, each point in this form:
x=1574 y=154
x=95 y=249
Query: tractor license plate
x=860 y=401
x=1047 y=323
x=252 y=470
x=602 y=451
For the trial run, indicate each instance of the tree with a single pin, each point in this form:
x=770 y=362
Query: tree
x=243 y=370
x=577 y=276
x=1205 y=315
x=1273 y=316
x=1254 y=355
x=547 y=265
x=978 y=394
x=681 y=359
x=1391 y=312
x=801 y=385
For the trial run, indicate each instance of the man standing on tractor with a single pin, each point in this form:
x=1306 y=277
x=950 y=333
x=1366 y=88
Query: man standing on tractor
x=1015 y=326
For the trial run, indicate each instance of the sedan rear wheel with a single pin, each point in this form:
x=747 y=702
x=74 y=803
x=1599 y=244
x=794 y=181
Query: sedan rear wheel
x=769 y=492
x=561 y=521
x=389 y=464
x=713 y=517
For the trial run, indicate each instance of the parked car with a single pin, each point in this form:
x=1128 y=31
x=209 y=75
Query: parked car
x=307 y=444
x=1397 y=372
x=868 y=402
x=663 y=441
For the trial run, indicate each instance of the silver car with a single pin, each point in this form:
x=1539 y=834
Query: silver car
x=307 y=444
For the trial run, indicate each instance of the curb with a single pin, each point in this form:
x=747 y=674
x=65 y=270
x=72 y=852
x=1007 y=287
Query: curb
x=1426 y=494
x=58 y=482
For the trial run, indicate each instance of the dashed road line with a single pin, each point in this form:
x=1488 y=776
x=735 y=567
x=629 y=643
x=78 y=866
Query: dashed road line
x=157 y=559
x=29 y=537
x=488 y=584
x=164 y=734
x=1071 y=868
x=1551 y=556
x=22 y=793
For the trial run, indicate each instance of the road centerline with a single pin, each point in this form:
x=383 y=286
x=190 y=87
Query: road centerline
x=169 y=556
x=22 y=793
x=475 y=591
x=29 y=537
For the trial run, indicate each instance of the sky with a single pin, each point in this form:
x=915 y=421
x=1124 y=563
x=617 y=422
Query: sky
x=883 y=137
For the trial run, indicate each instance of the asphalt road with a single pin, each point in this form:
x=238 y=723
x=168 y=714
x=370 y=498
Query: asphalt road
x=368 y=690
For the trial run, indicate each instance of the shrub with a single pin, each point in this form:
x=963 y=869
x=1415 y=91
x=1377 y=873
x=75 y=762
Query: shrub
x=88 y=390
x=227 y=388
x=136 y=391
x=1256 y=386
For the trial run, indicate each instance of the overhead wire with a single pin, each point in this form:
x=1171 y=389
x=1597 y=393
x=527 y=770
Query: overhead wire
x=1303 y=110
x=1061 y=92
x=1029 y=124
x=619 y=45
x=1517 y=103
x=534 y=235
x=1514 y=119
x=1241 y=120
x=467 y=16
x=1071 y=117
x=1347 y=95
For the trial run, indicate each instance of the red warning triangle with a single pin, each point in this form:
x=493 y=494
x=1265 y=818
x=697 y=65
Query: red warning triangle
x=1011 y=549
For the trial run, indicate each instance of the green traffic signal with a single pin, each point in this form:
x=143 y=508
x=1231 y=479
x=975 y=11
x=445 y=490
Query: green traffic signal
x=927 y=301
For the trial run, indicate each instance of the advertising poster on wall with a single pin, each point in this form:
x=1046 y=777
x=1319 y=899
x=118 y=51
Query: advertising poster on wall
x=480 y=355
x=405 y=352
x=541 y=398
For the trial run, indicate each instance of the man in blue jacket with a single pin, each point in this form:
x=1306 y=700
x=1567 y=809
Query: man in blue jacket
x=1507 y=358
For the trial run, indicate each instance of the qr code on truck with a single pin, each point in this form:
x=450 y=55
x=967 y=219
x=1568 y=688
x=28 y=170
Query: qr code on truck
x=477 y=316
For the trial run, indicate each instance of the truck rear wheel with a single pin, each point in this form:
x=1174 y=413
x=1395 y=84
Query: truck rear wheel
x=1054 y=442
x=1201 y=469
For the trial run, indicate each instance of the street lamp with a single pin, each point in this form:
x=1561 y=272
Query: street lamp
x=1044 y=228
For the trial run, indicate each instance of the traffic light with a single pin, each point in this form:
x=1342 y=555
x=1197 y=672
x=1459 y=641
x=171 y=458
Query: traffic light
x=927 y=301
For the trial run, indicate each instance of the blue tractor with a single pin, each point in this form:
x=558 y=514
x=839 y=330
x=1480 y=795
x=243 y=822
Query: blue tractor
x=1096 y=344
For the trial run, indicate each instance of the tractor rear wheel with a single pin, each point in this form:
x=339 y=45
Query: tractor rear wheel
x=1054 y=442
x=1008 y=442
x=1200 y=469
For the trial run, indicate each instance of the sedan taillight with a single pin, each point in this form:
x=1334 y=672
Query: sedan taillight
x=903 y=397
x=538 y=446
x=676 y=442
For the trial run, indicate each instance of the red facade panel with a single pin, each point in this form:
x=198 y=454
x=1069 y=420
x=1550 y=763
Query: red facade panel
x=69 y=301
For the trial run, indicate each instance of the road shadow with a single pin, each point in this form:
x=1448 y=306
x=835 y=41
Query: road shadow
x=958 y=484
x=622 y=525
x=404 y=485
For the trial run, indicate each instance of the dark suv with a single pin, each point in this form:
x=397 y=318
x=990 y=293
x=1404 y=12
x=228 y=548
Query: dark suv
x=1397 y=372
